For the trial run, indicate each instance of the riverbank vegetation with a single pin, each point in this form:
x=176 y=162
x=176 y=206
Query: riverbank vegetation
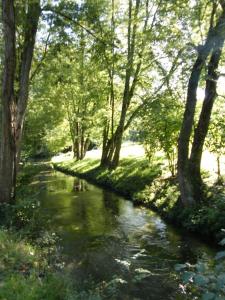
x=82 y=75
x=30 y=267
x=145 y=185
x=26 y=272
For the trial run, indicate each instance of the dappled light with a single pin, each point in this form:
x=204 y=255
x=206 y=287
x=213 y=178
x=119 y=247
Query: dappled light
x=112 y=149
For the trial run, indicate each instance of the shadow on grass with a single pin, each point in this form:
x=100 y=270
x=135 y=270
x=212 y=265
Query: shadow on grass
x=137 y=180
x=131 y=176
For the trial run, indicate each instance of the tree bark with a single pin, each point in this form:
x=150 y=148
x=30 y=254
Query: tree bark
x=7 y=165
x=184 y=171
x=32 y=18
x=218 y=168
x=14 y=104
x=204 y=120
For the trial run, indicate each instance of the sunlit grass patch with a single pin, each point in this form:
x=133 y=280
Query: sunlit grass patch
x=25 y=272
x=146 y=183
x=131 y=176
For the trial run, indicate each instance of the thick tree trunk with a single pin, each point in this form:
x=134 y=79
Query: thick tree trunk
x=111 y=149
x=185 y=133
x=105 y=146
x=14 y=106
x=32 y=16
x=204 y=120
x=86 y=146
x=184 y=172
x=80 y=143
x=7 y=162
x=117 y=146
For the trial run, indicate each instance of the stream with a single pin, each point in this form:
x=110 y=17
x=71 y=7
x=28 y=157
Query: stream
x=107 y=241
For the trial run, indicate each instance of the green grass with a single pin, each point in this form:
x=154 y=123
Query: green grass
x=28 y=171
x=130 y=177
x=25 y=273
x=143 y=183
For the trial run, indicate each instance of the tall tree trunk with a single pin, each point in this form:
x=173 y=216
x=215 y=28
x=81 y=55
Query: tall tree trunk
x=108 y=130
x=184 y=172
x=7 y=163
x=76 y=149
x=204 y=119
x=86 y=146
x=118 y=138
x=14 y=105
x=105 y=145
x=112 y=150
x=32 y=18
x=218 y=168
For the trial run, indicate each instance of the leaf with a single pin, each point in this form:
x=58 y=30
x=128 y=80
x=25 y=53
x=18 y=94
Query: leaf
x=201 y=280
x=201 y=267
x=208 y=296
x=222 y=243
x=221 y=281
x=220 y=255
x=180 y=267
x=187 y=276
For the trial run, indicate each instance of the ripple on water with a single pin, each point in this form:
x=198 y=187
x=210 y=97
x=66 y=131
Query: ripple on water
x=105 y=239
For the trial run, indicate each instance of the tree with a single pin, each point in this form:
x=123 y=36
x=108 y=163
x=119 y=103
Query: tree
x=191 y=186
x=137 y=33
x=18 y=53
x=82 y=92
x=216 y=136
x=159 y=128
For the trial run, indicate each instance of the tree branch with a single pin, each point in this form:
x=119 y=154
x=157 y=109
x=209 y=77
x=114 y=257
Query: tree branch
x=42 y=58
x=66 y=17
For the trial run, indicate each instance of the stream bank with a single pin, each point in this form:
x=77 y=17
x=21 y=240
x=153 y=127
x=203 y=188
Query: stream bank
x=144 y=185
x=91 y=242
x=110 y=248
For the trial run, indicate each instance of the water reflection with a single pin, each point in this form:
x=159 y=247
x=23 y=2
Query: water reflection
x=104 y=237
x=80 y=185
x=111 y=202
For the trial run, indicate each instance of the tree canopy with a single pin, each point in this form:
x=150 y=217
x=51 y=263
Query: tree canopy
x=80 y=74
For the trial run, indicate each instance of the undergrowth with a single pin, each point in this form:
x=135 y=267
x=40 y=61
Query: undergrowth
x=26 y=272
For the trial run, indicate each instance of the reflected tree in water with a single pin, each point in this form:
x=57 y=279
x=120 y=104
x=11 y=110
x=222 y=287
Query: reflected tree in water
x=79 y=185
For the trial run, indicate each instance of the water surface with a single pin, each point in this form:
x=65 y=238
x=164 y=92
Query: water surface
x=109 y=242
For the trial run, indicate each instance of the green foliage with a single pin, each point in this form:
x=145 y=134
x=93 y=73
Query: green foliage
x=216 y=136
x=159 y=128
x=205 y=218
x=46 y=131
x=25 y=272
x=131 y=176
x=136 y=179
x=208 y=278
x=25 y=215
x=161 y=195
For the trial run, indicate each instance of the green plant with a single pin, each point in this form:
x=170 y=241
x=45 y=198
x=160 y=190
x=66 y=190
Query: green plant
x=207 y=278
